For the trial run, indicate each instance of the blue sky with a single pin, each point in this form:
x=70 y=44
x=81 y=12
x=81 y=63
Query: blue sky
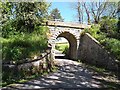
x=66 y=12
x=65 y=9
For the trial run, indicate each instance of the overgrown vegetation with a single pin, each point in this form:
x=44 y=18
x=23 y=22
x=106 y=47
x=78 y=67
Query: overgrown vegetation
x=66 y=52
x=23 y=35
x=64 y=47
x=106 y=32
x=22 y=32
x=61 y=46
x=24 y=45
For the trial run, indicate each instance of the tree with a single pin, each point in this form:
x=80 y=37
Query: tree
x=78 y=7
x=87 y=12
x=30 y=15
x=80 y=12
x=25 y=16
x=55 y=15
x=100 y=9
x=5 y=11
x=112 y=9
x=118 y=17
x=95 y=10
x=5 y=19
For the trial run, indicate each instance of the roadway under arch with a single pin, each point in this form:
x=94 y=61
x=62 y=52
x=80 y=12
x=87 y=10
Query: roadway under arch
x=72 y=52
x=70 y=31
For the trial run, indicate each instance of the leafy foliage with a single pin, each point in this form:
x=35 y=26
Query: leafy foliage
x=109 y=27
x=23 y=45
x=64 y=47
x=22 y=33
x=114 y=46
x=110 y=43
x=55 y=15
x=23 y=16
x=66 y=51
x=19 y=47
x=61 y=46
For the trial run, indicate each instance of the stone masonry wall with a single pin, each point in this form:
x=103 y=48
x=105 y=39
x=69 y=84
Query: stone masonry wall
x=92 y=52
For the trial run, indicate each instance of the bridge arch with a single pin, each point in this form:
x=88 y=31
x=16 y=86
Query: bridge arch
x=70 y=34
x=72 y=43
x=70 y=31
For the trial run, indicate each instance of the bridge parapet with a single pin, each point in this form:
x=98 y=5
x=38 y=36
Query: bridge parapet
x=65 y=24
x=70 y=31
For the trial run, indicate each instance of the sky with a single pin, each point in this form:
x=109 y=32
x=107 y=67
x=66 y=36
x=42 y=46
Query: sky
x=65 y=9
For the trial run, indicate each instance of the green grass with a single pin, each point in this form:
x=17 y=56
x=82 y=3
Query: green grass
x=23 y=45
x=62 y=46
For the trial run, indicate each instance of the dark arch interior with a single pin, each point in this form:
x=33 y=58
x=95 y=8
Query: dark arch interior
x=72 y=44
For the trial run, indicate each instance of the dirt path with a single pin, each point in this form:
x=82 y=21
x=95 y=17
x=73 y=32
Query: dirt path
x=70 y=74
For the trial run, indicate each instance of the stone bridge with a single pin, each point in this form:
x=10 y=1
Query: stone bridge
x=70 y=31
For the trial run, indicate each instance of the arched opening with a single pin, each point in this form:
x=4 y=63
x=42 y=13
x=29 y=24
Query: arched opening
x=61 y=47
x=72 y=51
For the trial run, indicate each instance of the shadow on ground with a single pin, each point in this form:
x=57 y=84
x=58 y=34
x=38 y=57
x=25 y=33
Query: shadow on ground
x=69 y=75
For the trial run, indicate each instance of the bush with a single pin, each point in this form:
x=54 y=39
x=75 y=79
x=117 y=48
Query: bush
x=114 y=46
x=111 y=44
x=61 y=46
x=57 y=47
x=24 y=45
x=8 y=29
x=109 y=26
x=66 y=51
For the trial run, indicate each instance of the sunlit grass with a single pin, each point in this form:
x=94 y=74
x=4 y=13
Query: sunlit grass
x=61 y=46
